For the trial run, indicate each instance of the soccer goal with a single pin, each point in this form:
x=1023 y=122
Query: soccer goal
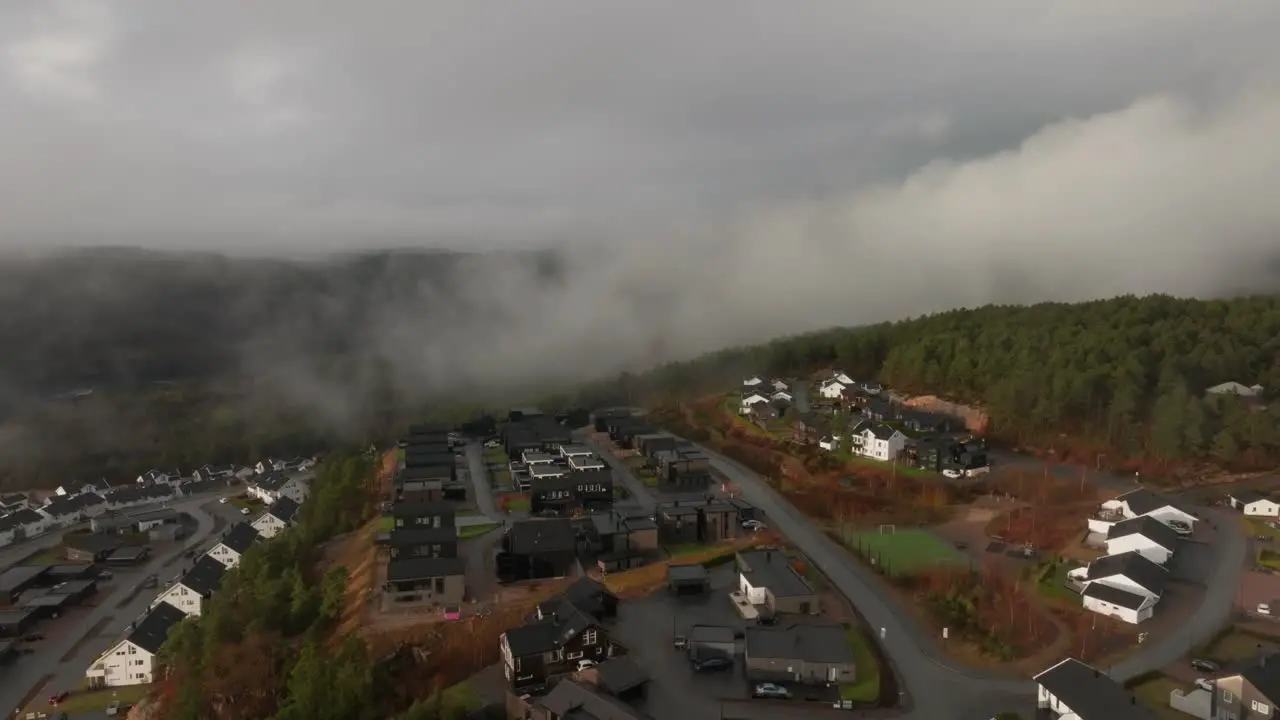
x=888 y=529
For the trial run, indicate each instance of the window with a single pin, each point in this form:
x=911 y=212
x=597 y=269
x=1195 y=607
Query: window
x=439 y=585
x=589 y=638
x=1261 y=708
x=1227 y=696
x=576 y=655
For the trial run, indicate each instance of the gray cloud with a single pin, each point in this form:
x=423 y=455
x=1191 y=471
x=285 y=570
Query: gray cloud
x=722 y=170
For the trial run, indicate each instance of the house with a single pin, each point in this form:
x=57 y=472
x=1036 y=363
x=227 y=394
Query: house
x=686 y=467
x=538 y=548
x=842 y=377
x=1253 y=692
x=1073 y=690
x=1141 y=502
x=422 y=484
x=572 y=451
x=752 y=382
x=426 y=542
x=13 y=502
x=805 y=654
x=546 y=472
x=751 y=398
x=766 y=577
x=589 y=596
x=127 y=497
x=833 y=388
x=23 y=524
x=90 y=548
x=417 y=515
x=880 y=410
x=829 y=442
x=697 y=521
x=268 y=465
x=194 y=587
x=279 y=516
x=652 y=443
x=572 y=700
x=536 y=457
x=809 y=428
x=132 y=660
x=158 y=477
x=275 y=485
x=872 y=388
x=234 y=544
x=72 y=509
x=688 y=579
x=214 y=472
x=585 y=463
x=425 y=581
x=622 y=542
x=1254 y=504
x=621 y=677
x=781 y=396
x=1145 y=535
x=551 y=494
x=552 y=645
x=919 y=421
x=712 y=641
x=148 y=520
x=1237 y=389
x=876 y=441
x=1126 y=586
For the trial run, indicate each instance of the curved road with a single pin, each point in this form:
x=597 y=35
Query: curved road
x=933 y=686
x=113 y=604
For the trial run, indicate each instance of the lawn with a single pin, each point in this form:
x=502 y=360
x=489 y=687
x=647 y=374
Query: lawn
x=1154 y=694
x=1269 y=558
x=386 y=523
x=458 y=700
x=1236 y=646
x=1254 y=527
x=84 y=702
x=474 y=531
x=902 y=468
x=496 y=456
x=683 y=549
x=905 y=550
x=1051 y=581
x=514 y=503
x=866 y=686
x=244 y=501
x=501 y=478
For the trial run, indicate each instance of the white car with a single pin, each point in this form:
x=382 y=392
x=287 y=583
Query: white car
x=224 y=501
x=584 y=664
x=953 y=474
x=1204 y=684
x=493 y=444
x=244 y=511
x=752 y=525
x=1264 y=609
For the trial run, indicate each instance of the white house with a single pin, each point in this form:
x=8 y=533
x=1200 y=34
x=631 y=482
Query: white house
x=765 y=577
x=1254 y=504
x=751 y=382
x=1140 y=502
x=132 y=660
x=194 y=587
x=277 y=517
x=829 y=443
x=546 y=471
x=832 y=389
x=127 y=497
x=1072 y=690
x=779 y=384
x=234 y=544
x=26 y=523
x=1126 y=586
x=784 y=395
x=876 y=440
x=273 y=486
x=153 y=477
x=269 y=465
x=751 y=398
x=1144 y=535
x=12 y=502
x=1235 y=388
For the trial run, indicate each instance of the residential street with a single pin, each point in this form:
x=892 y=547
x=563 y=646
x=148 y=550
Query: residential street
x=26 y=671
x=478 y=469
x=621 y=473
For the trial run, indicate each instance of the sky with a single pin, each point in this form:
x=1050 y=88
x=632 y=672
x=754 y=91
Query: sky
x=724 y=170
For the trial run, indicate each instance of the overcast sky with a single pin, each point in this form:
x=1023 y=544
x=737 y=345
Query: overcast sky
x=313 y=124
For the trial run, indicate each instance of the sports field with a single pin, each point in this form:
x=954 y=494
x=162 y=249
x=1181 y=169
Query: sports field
x=905 y=550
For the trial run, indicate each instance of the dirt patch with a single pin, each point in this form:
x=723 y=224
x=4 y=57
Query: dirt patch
x=357 y=553
x=1051 y=528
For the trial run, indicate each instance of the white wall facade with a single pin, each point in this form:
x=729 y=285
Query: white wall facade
x=225 y=555
x=1263 y=508
x=1167 y=513
x=877 y=449
x=1149 y=550
x=268 y=526
x=1124 y=583
x=1122 y=613
x=124 y=664
x=755 y=595
x=832 y=390
x=182 y=597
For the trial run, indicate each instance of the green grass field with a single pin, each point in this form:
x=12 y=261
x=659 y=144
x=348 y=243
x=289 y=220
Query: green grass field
x=1154 y=693
x=906 y=550
x=474 y=531
x=386 y=523
x=866 y=688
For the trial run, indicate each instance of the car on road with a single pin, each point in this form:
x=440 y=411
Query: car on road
x=712 y=663
x=769 y=690
x=224 y=500
x=753 y=525
x=1204 y=665
x=244 y=511
x=33 y=637
x=56 y=698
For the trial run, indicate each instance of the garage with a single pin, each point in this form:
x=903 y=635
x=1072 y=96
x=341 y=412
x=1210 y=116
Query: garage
x=14 y=624
x=688 y=579
x=707 y=641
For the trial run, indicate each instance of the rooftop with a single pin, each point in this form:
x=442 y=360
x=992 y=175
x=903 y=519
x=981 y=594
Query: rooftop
x=240 y=537
x=574 y=701
x=1148 y=527
x=1091 y=694
x=421 y=568
x=19 y=575
x=204 y=576
x=1133 y=566
x=151 y=632
x=771 y=569
x=811 y=643
x=538 y=536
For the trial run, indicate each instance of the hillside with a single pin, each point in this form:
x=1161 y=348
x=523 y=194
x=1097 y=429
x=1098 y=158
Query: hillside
x=1122 y=377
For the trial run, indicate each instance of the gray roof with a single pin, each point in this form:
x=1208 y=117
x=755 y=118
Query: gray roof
x=574 y=701
x=1246 y=497
x=560 y=622
x=19 y=518
x=284 y=509
x=711 y=634
x=240 y=537
x=538 y=536
x=151 y=632
x=1114 y=595
x=421 y=509
x=205 y=576
x=1143 y=501
x=1133 y=566
x=19 y=575
x=620 y=674
x=419 y=568
x=272 y=481
x=413 y=536
x=687 y=572
x=1090 y=693
x=1264 y=675
x=809 y=643
x=149 y=515
x=770 y=569
x=1148 y=527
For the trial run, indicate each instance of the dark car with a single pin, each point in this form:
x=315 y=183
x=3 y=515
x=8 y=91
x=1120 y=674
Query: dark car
x=712 y=663
x=32 y=637
x=767 y=620
x=58 y=697
x=1204 y=665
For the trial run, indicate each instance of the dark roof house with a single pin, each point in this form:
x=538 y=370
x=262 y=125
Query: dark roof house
x=1132 y=565
x=1148 y=527
x=1090 y=694
x=205 y=576
x=240 y=537
x=151 y=632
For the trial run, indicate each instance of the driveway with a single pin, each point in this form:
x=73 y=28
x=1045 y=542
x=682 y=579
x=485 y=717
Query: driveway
x=26 y=671
x=933 y=686
x=481 y=486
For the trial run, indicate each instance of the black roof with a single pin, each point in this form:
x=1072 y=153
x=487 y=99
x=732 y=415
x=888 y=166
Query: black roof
x=540 y=536
x=1090 y=693
x=586 y=594
x=240 y=537
x=1114 y=595
x=559 y=622
x=205 y=576
x=285 y=509
x=151 y=632
x=272 y=481
x=426 y=472
x=1143 y=501
x=71 y=504
x=136 y=493
x=620 y=674
x=809 y=643
x=419 y=568
x=21 y=517
x=416 y=535
x=1133 y=566
x=1148 y=527
x=421 y=509
x=428 y=459
x=574 y=701
x=1264 y=675
x=1246 y=497
x=771 y=569
x=687 y=572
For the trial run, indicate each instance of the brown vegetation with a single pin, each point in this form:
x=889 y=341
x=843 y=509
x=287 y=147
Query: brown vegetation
x=985 y=607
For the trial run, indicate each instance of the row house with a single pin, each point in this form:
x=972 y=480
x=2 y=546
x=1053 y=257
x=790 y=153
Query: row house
x=569 y=492
x=553 y=645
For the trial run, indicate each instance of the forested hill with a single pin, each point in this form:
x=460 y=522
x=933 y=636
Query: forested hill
x=1126 y=375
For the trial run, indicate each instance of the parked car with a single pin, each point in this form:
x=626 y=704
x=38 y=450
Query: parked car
x=56 y=698
x=712 y=663
x=33 y=637
x=224 y=501
x=584 y=664
x=1264 y=609
x=953 y=474
x=1204 y=665
x=244 y=511
x=769 y=690
x=753 y=525
x=493 y=444
x=1205 y=684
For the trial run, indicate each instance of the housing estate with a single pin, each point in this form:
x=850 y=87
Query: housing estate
x=552 y=644
x=767 y=579
x=234 y=544
x=1072 y=690
x=809 y=654
x=132 y=660
x=702 y=520
x=276 y=485
x=538 y=548
x=1145 y=535
x=1126 y=586
x=195 y=587
x=276 y=518
x=1140 y=502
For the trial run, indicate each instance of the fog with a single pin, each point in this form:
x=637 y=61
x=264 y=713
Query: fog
x=709 y=173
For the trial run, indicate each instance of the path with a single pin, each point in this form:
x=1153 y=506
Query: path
x=481 y=487
x=800 y=395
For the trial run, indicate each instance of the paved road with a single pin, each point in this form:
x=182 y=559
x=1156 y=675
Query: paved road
x=800 y=395
x=482 y=488
x=27 y=670
x=934 y=686
x=621 y=473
